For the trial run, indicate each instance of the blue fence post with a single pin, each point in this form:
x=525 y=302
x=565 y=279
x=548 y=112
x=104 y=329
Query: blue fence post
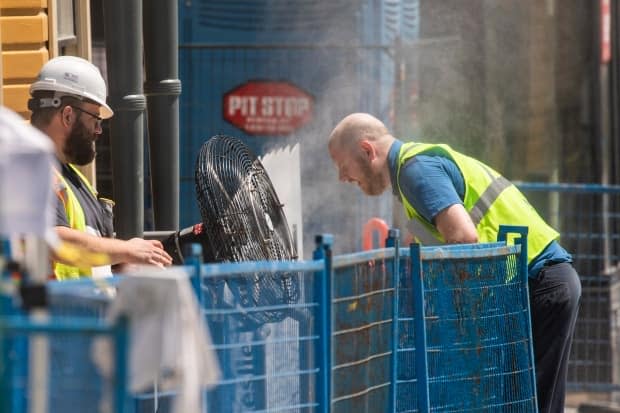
x=193 y=258
x=421 y=361
x=5 y=372
x=323 y=251
x=5 y=248
x=393 y=241
x=121 y=349
x=502 y=235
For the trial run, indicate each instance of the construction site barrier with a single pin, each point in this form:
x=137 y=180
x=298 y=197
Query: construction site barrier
x=319 y=335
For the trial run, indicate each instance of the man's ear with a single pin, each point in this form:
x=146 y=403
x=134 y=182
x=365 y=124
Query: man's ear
x=67 y=115
x=368 y=148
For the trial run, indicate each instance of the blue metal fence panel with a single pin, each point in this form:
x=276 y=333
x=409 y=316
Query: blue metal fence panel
x=362 y=302
x=75 y=320
x=588 y=219
x=269 y=353
x=336 y=347
x=406 y=379
x=473 y=309
x=73 y=382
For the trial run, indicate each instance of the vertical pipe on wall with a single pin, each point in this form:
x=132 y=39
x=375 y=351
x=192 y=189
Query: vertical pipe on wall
x=162 y=89
x=615 y=90
x=123 y=28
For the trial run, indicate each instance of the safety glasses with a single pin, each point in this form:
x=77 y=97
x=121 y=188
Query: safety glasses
x=99 y=118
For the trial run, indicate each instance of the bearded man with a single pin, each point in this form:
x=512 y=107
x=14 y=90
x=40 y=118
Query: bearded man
x=450 y=197
x=68 y=104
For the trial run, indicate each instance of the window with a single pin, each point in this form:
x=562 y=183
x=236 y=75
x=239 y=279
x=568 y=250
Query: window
x=65 y=19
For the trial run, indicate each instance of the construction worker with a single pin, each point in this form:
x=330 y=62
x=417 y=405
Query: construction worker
x=452 y=198
x=68 y=104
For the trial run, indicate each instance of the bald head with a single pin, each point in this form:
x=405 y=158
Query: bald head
x=359 y=147
x=356 y=127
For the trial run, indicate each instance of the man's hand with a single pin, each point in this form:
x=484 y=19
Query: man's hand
x=134 y=251
x=141 y=251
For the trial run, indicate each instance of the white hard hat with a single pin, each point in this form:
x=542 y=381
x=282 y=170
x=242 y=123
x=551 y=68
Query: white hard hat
x=74 y=76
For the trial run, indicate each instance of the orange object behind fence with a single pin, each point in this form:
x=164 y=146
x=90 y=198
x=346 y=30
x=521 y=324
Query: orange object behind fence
x=374 y=225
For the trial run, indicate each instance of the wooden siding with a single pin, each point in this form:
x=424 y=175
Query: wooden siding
x=23 y=4
x=24 y=33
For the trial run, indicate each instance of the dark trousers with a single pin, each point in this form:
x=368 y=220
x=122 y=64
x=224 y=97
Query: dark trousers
x=554 y=303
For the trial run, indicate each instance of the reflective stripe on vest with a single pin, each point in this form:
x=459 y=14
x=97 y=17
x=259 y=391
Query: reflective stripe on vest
x=499 y=202
x=482 y=205
x=76 y=220
x=480 y=208
x=421 y=233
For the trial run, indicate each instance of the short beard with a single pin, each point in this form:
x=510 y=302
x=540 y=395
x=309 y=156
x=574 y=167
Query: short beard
x=374 y=181
x=80 y=147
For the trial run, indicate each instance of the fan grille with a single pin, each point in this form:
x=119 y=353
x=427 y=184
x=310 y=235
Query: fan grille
x=244 y=221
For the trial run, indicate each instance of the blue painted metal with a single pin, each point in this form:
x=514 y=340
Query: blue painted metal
x=272 y=366
x=5 y=248
x=393 y=241
x=565 y=187
x=75 y=381
x=341 y=52
x=323 y=253
x=587 y=216
x=349 y=342
x=224 y=269
x=421 y=359
x=194 y=261
x=14 y=329
x=363 y=256
x=522 y=242
x=362 y=337
x=121 y=344
x=477 y=323
x=56 y=325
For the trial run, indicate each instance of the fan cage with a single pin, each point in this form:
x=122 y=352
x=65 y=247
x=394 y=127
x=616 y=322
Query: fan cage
x=243 y=220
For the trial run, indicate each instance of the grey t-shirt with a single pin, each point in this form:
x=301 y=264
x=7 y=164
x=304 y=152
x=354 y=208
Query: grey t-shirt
x=98 y=219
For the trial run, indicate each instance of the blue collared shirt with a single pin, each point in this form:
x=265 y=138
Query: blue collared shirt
x=432 y=182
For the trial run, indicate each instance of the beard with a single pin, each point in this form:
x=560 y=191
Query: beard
x=80 y=146
x=373 y=181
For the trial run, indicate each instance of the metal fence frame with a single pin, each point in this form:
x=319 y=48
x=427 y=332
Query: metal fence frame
x=366 y=307
x=588 y=219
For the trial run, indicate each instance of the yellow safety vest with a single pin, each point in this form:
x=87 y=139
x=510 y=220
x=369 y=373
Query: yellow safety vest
x=76 y=219
x=490 y=199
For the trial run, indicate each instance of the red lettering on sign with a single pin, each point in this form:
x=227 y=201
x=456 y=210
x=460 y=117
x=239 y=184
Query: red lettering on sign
x=268 y=107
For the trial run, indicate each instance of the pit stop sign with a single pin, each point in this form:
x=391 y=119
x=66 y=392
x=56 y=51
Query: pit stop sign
x=268 y=107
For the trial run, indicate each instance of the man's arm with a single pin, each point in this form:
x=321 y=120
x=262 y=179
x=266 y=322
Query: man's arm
x=455 y=225
x=133 y=251
x=434 y=186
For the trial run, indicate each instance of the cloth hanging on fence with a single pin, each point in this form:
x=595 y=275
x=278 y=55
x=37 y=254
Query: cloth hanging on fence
x=26 y=160
x=169 y=342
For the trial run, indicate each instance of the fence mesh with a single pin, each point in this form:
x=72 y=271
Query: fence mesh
x=363 y=306
x=588 y=219
x=338 y=344
x=266 y=367
x=476 y=326
x=76 y=320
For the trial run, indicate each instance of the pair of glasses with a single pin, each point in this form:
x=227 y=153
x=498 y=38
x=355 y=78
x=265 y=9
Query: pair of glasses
x=97 y=117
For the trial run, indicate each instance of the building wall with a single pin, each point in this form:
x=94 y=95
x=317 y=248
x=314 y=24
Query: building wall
x=24 y=28
x=29 y=38
x=507 y=82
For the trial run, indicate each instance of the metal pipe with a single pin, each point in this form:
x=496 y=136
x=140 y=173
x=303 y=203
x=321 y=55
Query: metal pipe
x=123 y=28
x=615 y=90
x=162 y=89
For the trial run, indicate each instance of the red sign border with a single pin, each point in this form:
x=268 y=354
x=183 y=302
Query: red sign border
x=259 y=80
